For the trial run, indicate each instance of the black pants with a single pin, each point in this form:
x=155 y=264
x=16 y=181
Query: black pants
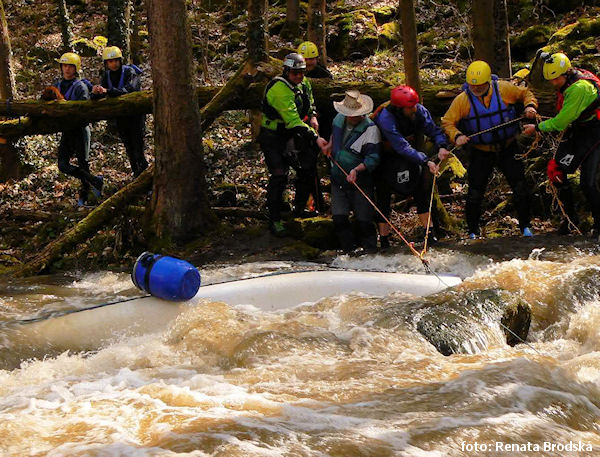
x=419 y=188
x=76 y=143
x=583 y=143
x=480 y=169
x=279 y=159
x=131 y=130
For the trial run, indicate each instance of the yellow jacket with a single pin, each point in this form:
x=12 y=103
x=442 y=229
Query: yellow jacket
x=461 y=107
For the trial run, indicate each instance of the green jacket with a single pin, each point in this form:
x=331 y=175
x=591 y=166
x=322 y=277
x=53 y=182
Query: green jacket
x=285 y=105
x=578 y=96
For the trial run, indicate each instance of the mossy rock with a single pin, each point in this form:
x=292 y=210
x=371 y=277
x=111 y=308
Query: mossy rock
x=525 y=45
x=301 y=249
x=352 y=35
x=43 y=53
x=315 y=231
x=384 y=14
x=389 y=35
x=85 y=47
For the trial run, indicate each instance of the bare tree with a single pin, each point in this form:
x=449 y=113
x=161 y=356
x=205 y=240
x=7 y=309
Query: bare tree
x=257 y=30
x=489 y=33
x=292 y=19
x=179 y=207
x=316 y=27
x=66 y=26
x=118 y=25
x=409 y=41
x=136 y=21
x=10 y=163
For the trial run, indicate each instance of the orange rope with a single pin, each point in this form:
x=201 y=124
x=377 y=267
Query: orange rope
x=392 y=226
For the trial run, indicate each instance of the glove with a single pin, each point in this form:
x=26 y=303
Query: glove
x=306 y=134
x=555 y=174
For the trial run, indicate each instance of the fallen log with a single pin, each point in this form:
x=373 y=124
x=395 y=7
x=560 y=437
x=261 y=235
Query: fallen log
x=88 y=226
x=40 y=117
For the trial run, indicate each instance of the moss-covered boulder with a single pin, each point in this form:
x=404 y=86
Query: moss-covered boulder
x=385 y=14
x=85 y=47
x=524 y=46
x=352 y=35
x=389 y=35
x=315 y=231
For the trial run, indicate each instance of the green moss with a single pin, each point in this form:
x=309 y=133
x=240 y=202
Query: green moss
x=316 y=231
x=85 y=47
x=353 y=34
x=563 y=32
x=524 y=46
x=384 y=13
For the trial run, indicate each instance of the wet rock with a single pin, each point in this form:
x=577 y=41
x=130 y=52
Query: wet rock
x=471 y=322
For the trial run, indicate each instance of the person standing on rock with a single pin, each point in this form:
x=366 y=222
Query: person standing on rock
x=578 y=106
x=75 y=142
x=288 y=138
x=355 y=146
x=118 y=79
x=486 y=105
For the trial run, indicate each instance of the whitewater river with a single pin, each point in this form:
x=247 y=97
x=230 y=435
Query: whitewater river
x=325 y=379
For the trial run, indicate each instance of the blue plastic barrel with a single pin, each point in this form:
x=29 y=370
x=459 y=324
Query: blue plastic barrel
x=166 y=277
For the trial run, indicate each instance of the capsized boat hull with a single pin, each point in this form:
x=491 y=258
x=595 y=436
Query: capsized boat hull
x=94 y=327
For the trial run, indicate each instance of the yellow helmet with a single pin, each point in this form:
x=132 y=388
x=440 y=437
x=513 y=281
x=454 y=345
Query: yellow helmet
x=479 y=72
x=111 y=52
x=521 y=74
x=556 y=65
x=308 y=50
x=70 y=58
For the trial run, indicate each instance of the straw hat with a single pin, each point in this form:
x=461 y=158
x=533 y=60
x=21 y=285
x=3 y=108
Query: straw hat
x=354 y=104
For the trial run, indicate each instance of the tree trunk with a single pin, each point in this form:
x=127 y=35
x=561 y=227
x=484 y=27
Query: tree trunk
x=118 y=22
x=543 y=90
x=256 y=43
x=135 y=41
x=66 y=26
x=88 y=226
x=10 y=162
x=409 y=42
x=316 y=27
x=291 y=29
x=51 y=117
x=490 y=35
x=179 y=204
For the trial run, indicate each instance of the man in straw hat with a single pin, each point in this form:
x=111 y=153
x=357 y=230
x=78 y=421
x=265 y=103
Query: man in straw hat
x=354 y=146
x=406 y=170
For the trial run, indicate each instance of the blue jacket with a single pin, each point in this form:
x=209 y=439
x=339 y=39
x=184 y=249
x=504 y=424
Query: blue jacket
x=127 y=80
x=398 y=130
x=72 y=89
x=363 y=145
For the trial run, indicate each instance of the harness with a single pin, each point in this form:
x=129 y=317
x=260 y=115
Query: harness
x=301 y=100
x=594 y=107
x=482 y=118
x=124 y=68
x=69 y=93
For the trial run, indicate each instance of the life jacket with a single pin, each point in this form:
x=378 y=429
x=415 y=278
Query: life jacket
x=124 y=68
x=77 y=82
x=482 y=118
x=301 y=99
x=594 y=107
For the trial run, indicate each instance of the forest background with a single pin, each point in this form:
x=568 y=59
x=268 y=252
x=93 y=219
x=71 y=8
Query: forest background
x=225 y=51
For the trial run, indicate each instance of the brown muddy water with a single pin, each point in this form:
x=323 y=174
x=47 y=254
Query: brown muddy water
x=323 y=379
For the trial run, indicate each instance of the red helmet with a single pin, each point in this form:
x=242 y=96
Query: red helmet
x=404 y=97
